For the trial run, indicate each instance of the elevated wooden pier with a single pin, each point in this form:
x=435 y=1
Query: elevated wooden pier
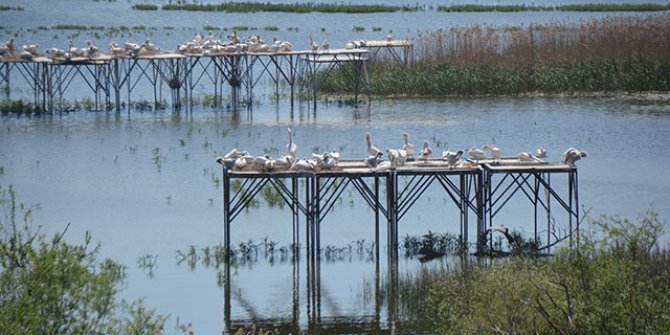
x=112 y=80
x=478 y=190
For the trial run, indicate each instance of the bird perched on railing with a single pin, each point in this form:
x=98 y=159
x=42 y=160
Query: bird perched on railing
x=372 y=149
x=374 y=160
x=291 y=147
x=452 y=157
x=571 y=155
x=91 y=50
x=541 y=153
x=495 y=151
x=477 y=154
x=408 y=147
x=425 y=153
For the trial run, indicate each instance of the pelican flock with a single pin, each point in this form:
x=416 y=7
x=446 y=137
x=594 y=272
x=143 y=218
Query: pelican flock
x=389 y=159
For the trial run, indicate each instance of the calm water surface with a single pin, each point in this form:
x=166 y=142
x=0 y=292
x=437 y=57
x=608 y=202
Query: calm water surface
x=145 y=183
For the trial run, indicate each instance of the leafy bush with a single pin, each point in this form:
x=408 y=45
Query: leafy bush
x=616 y=282
x=48 y=286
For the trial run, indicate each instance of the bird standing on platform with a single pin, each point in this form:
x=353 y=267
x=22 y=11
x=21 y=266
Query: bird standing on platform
x=291 y=147
x=408 y=147
x=115 y=50
x=373 y=160
x=372 y=149
x=312 y=43
x=571 y=155
x=525 y=156
x=150 y=48
x=541 y=153
x=495 y=151
x=91 y=50
x=477 y=154
x=452 y=157
x=325 y=45
x=426 y=152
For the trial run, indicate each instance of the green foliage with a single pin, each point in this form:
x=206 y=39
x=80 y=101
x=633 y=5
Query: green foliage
x=48 y=286
x=248 y=7
x=140 y=6
x=592 y=7
x=616 y=282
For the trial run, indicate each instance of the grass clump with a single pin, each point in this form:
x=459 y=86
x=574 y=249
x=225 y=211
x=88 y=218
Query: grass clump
x=616 y=282
x=5 y=8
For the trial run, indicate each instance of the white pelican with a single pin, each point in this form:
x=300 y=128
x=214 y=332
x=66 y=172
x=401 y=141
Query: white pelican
x=31 y=48
x=541 y=153
x=349 y=45
x=335 y=155
x=150 y=48
x=133 y=49
x=495 y=151
x=55 y=53
x=373 y=161
x=571 y=155
x=328 y=162
x=291 y=147
x=372 y=149
x=284 y=163
x=402 y=156
x=384 y=166
x=303 y=165
x=408 y=147
x=525 y=156
x=236 y=154
x=392 y=155
x=74 y=51
x=26 y=55
x=477 y=154
x=260 y=163
x=91 y=50
x=426 y=152
x=452 y=157
x=115 y=50
x=312 y=43
x=234 y=37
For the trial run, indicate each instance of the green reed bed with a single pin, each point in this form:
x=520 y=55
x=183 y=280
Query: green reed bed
x=249 y=7
x=141 y=6
x=616 y=282
x=610 y=54
x=5 y=8
x=591 y=7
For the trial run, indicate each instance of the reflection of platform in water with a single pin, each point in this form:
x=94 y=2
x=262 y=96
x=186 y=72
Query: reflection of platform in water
x=108 y=77
x=474 y=189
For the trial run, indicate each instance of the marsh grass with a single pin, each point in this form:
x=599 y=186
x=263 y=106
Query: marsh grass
x=6 y=8
x=250 y=7
x=590 y=7
x=626 y=53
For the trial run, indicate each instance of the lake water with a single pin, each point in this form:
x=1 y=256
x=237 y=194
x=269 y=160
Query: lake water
x=146 y=183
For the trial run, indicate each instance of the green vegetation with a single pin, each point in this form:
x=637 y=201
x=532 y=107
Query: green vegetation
x=616 y=282
x=597 y=7
x=48 y=286
x=4 y=8
x=609 y=54
x=248 y=7
x=140 y=6
x=358 y=28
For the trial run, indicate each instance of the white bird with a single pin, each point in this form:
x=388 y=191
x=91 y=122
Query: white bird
x=291 y=147
x=335 y=155
x=408 y=147
x=74 y=51
x=495 y=151
x=571 y=155
x=150 y=48
x=452 y=157
x=303 y=165
x=26 y=55
x=426 y=152
x=115 y=50
x=325 y=45
x=284 y=163
x=373 y=161
x=313 y=44
x=55 y=53
x=91 y=50
x=260 y=163
x=392 y=155
x=525 y=156
x=133 y=49
x=372 y=149
x=328 y=162
x=541 y=153
x=236 y=154
x=31 y=48
x=477 y=154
